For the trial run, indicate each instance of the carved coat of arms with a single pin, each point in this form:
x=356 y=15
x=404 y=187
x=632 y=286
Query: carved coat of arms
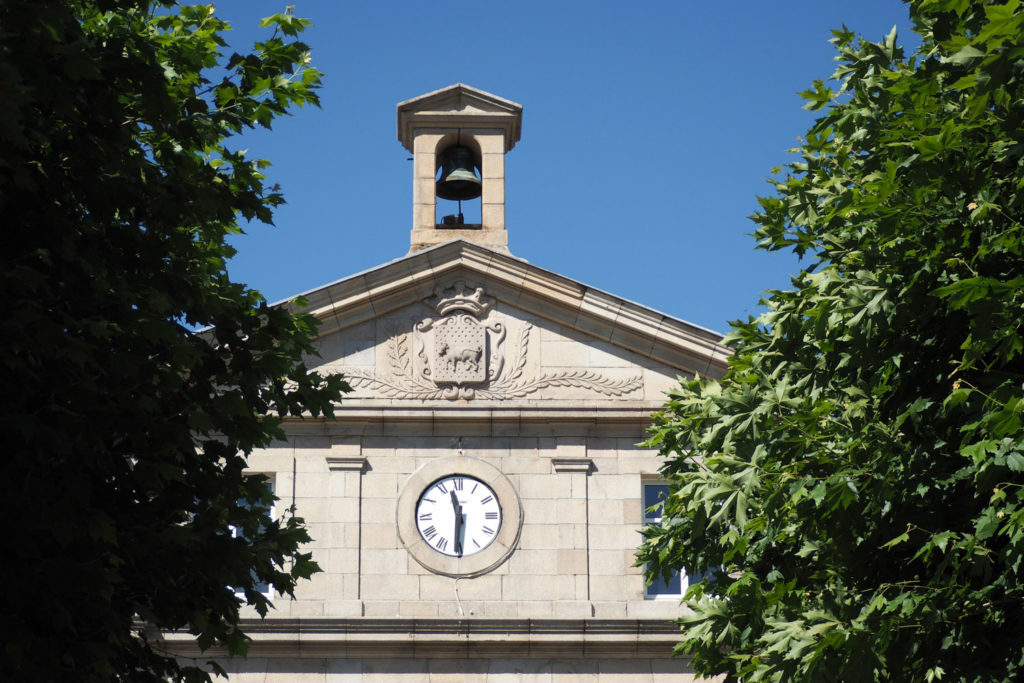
x=459 y=350
x=461 y=355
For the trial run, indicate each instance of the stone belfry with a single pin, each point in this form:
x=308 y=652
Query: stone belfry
x=475 y=504
x=487 y=126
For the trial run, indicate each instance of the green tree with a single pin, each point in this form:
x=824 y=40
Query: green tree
x=126 y=432
x=855 y=483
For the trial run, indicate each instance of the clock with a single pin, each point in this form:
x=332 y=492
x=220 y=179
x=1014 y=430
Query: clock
x=459 y=516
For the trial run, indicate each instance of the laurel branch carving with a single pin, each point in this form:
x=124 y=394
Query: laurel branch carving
x=402 y=383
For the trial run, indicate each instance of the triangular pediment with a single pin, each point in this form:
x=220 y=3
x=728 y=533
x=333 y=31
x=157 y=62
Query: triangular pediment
x=460 y=321
x=459 y=105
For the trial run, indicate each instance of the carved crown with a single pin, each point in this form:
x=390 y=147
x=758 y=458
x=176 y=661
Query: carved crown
x=460 y=296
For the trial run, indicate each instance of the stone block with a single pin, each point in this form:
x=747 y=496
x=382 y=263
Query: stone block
x=546 y=509
x=460 y=671
x=390 y=587
x=572 y=609
x=417 y=608
x=525 y=465
x=535 y=609
x=283 y=487
x=581 y=485
x=542 y=486
x=391 y=464
x=654 y=609
x=500 y=609
x=493 y=191
x=270 y=462
x=342 y=510
x=336 y=537
x=425 y=161
x=341 y=561
x=379 y=510
x=571 y=511
x=307 y=608
x=609 y=587
x=582 y=583
x=527 y=587
x=321 y=586
x=573 y=536
x=383 y=561
x=559 y=355
x=423 y=215
x=380 y=485
x=541 y=536
x=615 y=537
x=603 y=511
x=520 y=671
x=493 y=217
x=524 y=447
x=607 y=355
x=624 y=671
x=337 y=485
x=632 y=510
x=537 y=562
x=392 y=670
x=343 y=608
x=460 y=608
x=311 y=485
x=353 y=485
x=646 y=464
x=614 y=486
x=311 y=445
x=608 y=562
x=379 y=535
x=437 y=587
x=572 y=562
x=606 y=465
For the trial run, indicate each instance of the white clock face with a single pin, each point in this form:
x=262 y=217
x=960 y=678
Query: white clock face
x=458 y=515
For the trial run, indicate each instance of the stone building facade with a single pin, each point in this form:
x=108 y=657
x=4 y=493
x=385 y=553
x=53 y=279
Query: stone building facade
x=473 y=369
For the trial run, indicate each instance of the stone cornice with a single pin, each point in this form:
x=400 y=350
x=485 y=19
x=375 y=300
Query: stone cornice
x=472 y=638
x=361 y=297
x=459 y=105
x=460 y=419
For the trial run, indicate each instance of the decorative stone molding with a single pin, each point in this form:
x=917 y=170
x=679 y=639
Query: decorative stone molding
x=584 y=465
x=346 y=464
x=458 y=296
x=448 y=638
x=462 y=356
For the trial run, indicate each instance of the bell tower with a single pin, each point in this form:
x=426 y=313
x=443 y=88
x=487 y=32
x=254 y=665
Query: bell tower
x=458 y=137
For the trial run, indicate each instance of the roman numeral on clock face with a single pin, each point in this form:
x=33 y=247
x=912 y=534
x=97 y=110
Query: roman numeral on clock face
x=442 y=543
x=429 y=533
x=490 y=515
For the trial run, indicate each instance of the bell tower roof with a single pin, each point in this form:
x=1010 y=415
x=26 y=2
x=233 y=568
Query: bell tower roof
x=459 y=106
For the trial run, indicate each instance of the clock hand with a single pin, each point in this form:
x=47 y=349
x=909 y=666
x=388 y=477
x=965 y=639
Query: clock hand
x=458 y=524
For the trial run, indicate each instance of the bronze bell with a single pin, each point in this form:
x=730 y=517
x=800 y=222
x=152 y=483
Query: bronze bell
x=458 y=180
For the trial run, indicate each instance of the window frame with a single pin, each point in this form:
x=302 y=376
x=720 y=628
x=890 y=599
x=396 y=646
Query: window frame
x=268 y=591
x=679 y=575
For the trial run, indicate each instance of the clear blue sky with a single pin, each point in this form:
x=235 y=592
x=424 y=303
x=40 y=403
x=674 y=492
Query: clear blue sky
x=648 y=130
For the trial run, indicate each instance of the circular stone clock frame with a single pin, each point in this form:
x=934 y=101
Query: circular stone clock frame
x=467 y=566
